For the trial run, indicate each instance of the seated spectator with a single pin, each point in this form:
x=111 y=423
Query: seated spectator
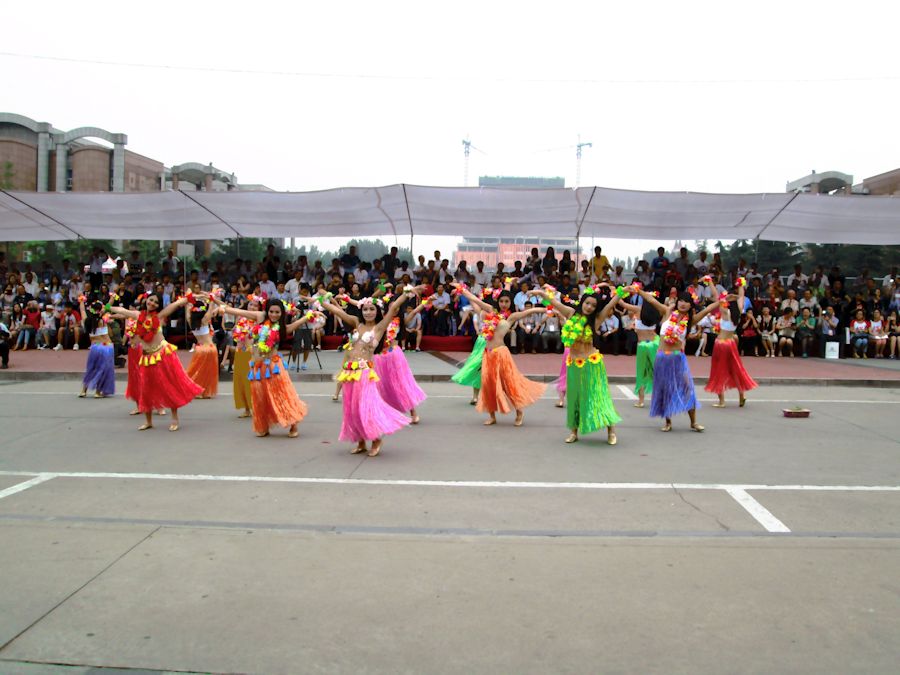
x=412 y=320
x=767 y=333
x=859 y=335
x=629 y=335
x=748 y=335
x=551 y=339
x=527 y=330
x=440 y=311
x=809 y=301
x=806 y=330
x=893 y=331
x=828 y=331
x=790 y=302
x=47 y=329
x=878 y=333
x=608 y=335
x=784 y=326
x=69 y=331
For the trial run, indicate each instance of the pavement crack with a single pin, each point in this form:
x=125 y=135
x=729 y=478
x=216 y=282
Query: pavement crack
x=699 y=510
x=356 y=468
x=78 y=590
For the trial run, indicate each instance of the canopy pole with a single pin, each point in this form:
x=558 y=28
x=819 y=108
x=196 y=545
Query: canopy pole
x=409 y=218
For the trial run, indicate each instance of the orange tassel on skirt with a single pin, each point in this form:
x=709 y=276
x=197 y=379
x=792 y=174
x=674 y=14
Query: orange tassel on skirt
x=204 y=369
x=275 y=400
x=242 y=395
x=503 y=387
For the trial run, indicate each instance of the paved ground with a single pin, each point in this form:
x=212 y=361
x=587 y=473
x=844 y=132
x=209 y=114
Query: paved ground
x=764 y=544
x=439 y=366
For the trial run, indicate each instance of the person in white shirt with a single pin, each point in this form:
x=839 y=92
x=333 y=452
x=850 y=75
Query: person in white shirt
x=482 y=278
x=797 y=280
x=618 y=277
x=701 y=265
x=526 y=331
x=522 y=297
x=550 y=333
x=266 y=286
x=48 y=327
x=32 y=287
x=292 y=287
x=609 y=333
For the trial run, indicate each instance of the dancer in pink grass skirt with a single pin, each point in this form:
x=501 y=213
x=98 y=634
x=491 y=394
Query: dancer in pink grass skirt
x=367 y=416
x=397 y=384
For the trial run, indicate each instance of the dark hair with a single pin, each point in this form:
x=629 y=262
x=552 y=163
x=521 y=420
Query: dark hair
x=496 y=301
x=272 y=302
x=159 y=300
x=684 y=296
x=92 y=321
x=649 y=314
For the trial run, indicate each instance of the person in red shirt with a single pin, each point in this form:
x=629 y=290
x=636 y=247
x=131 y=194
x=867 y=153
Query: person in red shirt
x=30 y=328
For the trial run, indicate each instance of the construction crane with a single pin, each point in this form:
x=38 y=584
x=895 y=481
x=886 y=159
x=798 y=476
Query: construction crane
x=578 y=150
x=467 y=147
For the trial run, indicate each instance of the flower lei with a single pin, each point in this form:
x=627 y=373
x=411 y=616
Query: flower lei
x=675 y=328
x=266 y=336
x=576 y=329
x=741 y=282
x=147 y=325
x=491 y=293
x=393 y=328
x=241 y=329
x=130 y=327
x=491 y=321
x=460 y=289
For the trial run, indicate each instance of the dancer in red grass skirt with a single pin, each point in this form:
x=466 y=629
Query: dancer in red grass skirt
x=727 y=370
x=162 y=382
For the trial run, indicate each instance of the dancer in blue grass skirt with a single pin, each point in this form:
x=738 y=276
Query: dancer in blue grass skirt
x=673 y=385
x=100 y=373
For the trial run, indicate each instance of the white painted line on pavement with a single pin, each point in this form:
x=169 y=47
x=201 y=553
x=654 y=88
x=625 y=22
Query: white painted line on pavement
x=19 y=487
x=454 y=484
x=762 y=515
x=630 y=395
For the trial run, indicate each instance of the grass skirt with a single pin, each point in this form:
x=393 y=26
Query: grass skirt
x=133 y=386
x=469 y=374
x=397 y=385
x=673 y=385
x=204 y=368
x=645 y=356
x=163 y=382
x=367 y=416
x=243 y=399
x=100 y=373
x=275 y=401
x=503 y=387
x=561 y=380
x=589 y=405
x=727 y=370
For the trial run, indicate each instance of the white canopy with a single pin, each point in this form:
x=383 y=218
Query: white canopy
x=406 y=210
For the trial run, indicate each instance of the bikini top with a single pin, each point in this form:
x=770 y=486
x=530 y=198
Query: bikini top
x=100 y=331
x=727 y=324
x=640 y=325
x=204 y=330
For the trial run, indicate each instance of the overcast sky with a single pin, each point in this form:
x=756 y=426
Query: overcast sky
x=699 y=96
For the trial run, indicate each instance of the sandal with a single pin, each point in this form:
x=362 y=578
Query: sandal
x=520 y=419
x=414 y=420
x=489 y=421
x=145 y=426
x=742 y=402
x=668 y=427
x=244 y=415
x=697 y=427
x=136 y=411
x=560 y=404
x=376 y=448
x=262 y=435
x=572 y=438
x=611 y=438
x=358 y=449
x=639 y=404
x=293 y=434
x=173 y=426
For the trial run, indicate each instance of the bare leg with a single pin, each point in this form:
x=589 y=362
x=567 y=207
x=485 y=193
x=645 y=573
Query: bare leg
x=492 y=419
x=572 y=437
x=668 y=425
x=148 y=424
x=337 y=391
x=292 y=432
x=520 y=418
x=376 y=448
x=474 y=396
x=360 y=447
x=721 y=403
x=640 y=402
x=692 y=413
x=174 y=425
x=611 y=435
x=414 y=417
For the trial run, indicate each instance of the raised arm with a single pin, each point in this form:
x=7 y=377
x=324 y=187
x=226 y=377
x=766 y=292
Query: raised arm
x=309 y=317
x=171 y=307
x=703 y=312
x=82 y=310
x=475 y=300
x=515 y=316
x=607 y=309
x=340 y=313
x=393 y=308
x=126 y=313
x=564 y=310
x=211 y=310
x=649 y=297
x=258 y=317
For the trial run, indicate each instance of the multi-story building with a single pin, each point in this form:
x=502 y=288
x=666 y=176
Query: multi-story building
x=507 y=250
x=35 y=156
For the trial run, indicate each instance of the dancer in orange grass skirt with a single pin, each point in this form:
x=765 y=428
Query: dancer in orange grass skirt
x=503 y=387
x=274 y=398
x=204 y=366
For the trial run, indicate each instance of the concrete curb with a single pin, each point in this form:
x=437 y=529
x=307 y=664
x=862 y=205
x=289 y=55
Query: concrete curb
x=37 y=376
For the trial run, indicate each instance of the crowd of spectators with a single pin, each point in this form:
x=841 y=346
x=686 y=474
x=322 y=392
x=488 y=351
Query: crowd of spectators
x=786 y=315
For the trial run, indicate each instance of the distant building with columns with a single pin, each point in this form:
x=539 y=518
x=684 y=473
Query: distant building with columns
x=35 y=156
